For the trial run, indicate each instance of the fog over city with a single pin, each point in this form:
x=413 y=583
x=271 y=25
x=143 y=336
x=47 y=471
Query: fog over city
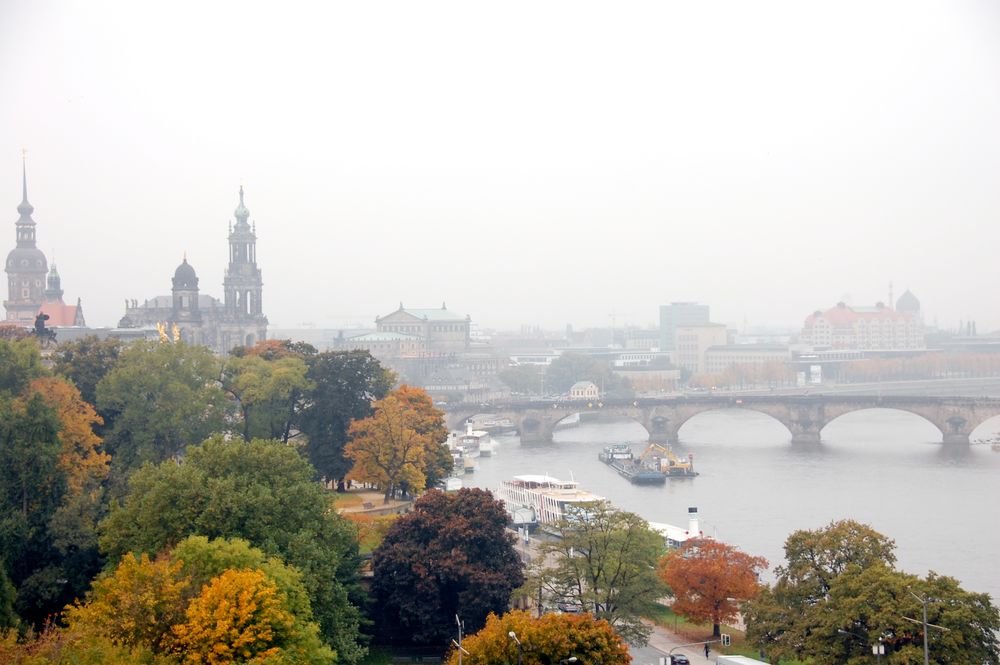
x=528 y=163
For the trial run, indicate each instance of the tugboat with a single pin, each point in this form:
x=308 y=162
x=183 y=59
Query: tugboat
x=619 y=457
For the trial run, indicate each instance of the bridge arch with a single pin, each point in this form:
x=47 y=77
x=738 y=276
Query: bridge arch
x=897 y=409
x=986 y=431
x=766 y=414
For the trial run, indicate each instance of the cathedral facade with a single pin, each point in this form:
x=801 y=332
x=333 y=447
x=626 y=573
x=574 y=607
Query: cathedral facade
x=236 y=320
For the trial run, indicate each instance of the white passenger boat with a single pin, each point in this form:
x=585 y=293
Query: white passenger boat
x=476 y=442
x=544 y=496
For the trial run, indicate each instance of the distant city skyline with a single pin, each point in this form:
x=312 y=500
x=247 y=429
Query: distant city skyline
x=545 y=164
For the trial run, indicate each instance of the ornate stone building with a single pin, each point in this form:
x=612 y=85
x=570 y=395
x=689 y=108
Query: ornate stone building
x=26 y=266
x=30 y=292
x=237 y=320
x=440 y=331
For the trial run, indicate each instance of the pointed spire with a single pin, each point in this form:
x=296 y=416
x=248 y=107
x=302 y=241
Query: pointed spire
x=242 y=214
x=25 y=209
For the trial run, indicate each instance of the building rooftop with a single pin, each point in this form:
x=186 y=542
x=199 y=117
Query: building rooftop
x=441 y=314
x=385 y=337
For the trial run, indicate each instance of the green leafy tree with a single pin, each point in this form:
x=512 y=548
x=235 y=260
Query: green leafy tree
x=546 y=640
x=31 y=490
x=51 y=475
x=840 y=593
x=524 y=379
x=451 y=555
x=8 y=618
x=20 y=362
x=268 y=393
x=86 y=361
x=164 y=397
x=263 y=492
x=605 y=561
x=345 y=383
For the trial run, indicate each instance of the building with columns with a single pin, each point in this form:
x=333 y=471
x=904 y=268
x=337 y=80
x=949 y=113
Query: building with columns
x=237 y=320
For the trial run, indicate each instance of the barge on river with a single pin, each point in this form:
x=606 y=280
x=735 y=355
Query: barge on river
x=654 y=466
x=620 y=458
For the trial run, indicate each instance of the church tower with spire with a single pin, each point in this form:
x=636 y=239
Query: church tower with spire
x=244 y=323
x=222 y=325
x=26 y=266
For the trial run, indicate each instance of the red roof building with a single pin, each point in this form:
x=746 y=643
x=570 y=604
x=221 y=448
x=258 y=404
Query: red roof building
x=876 y=328
x=60 y=314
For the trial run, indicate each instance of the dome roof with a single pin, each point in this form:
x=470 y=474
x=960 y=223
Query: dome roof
x=907 y=303
x=26 y=259
x=185 y=277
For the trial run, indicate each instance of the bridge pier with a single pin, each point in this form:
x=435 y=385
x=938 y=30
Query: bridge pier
x=809 y=437
x=956 y=438
x=536 y=427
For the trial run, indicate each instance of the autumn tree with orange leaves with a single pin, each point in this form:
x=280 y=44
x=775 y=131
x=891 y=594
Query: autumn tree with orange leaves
x=710 y=579
x=551 y=638
x=399 y=446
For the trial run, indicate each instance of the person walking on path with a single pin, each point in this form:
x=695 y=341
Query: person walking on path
x=706 y=650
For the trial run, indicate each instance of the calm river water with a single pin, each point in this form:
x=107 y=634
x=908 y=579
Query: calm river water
x=885 y=468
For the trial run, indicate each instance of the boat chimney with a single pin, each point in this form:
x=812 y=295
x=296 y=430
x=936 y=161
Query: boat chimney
x=468 y=427
x=693 y=530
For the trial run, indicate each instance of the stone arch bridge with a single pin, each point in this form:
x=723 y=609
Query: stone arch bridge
x=805 y=416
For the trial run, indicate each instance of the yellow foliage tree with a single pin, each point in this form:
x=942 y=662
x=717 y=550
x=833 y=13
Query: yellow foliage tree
x=551 y=638
x=82 y=463
x=81 y=459
x=238 y=617
x=136 y=605
x=388 y=448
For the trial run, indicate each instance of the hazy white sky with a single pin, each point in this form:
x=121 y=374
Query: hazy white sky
x=527 y=162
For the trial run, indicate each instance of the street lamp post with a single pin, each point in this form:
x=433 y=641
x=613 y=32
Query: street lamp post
x=923 y=603
x=878 y=649
x=512 y=635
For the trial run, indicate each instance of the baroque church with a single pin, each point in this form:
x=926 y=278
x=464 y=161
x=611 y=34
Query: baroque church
x=237 y=320
x=32 y=287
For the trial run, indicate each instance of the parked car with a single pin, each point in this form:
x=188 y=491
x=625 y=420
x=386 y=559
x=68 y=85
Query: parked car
x=570 y=608
x=679 y=659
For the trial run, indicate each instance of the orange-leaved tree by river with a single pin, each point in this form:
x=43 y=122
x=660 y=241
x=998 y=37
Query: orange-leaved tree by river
x=400 y=445
x=709 y=579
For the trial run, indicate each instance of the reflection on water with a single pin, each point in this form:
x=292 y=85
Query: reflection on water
x=885 y=468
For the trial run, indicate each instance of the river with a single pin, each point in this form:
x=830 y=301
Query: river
x=885 y=468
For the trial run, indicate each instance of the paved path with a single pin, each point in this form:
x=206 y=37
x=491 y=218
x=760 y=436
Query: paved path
x=661 y=641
